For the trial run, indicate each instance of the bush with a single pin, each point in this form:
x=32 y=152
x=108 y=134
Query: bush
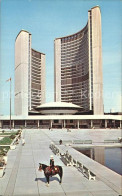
x=3 y=131
x=18 y=132
x=1 y=164
x=4 y=149
x=12 y=136
x=2 y=153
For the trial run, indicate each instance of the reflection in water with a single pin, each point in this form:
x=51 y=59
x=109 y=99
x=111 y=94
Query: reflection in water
x=111 y=157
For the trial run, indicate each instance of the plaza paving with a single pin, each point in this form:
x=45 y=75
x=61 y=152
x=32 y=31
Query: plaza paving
x=22 y=177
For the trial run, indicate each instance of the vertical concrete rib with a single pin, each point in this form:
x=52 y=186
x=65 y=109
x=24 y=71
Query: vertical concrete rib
x=57 y=70
x=97 y=61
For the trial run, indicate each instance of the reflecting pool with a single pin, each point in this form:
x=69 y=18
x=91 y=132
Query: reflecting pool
x=111 y=157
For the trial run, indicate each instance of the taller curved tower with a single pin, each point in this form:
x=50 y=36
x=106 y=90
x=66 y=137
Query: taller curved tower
x=78 y=66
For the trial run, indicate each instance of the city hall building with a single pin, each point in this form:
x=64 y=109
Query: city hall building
x=78 y=66
x=78 y=82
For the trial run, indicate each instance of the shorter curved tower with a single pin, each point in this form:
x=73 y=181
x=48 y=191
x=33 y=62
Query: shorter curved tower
x=29 y=75
x=78 y=66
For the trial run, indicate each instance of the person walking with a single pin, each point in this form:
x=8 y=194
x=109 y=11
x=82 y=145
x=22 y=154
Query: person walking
x=23 y=141
x=60 y=142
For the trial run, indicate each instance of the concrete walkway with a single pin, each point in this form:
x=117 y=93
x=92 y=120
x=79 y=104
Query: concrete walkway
x=22 y=177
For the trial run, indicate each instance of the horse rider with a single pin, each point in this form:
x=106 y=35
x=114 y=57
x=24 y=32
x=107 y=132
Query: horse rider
x=52 y=167
x=51 y=162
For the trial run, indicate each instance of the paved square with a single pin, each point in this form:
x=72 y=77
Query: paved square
x=22 y=177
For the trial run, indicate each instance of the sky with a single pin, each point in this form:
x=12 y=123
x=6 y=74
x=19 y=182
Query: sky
x=50 y=19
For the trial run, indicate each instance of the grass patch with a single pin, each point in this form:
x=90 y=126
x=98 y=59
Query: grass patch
x=6 y=141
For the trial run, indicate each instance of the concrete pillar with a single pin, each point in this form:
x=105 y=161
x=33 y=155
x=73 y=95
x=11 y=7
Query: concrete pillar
x=38 y=123
x=78 y=124
x=120 y=124
x=51 y=122
x=13 y=124
x=91 y=154
x=114 y=123
x=64 y=124
x=105 y=123
x=91 y=123
x=0 y=123
x=25 y=124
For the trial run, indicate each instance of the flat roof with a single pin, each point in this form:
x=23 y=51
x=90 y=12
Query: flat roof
x=62 y=105
x=63 y=117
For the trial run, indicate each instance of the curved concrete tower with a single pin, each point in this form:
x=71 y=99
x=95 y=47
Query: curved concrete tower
x=78 y=66
x=29 y=75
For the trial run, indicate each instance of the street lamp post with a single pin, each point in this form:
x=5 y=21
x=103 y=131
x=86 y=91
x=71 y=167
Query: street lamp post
x=10 y=103
x=10 y=100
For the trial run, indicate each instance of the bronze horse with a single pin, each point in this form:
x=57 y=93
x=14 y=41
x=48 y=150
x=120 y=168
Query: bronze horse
x=49 y=172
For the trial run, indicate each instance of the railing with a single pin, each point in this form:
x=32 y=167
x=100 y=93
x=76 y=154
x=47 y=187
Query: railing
x=70 y=142
x=112 y=141
x=68 y=160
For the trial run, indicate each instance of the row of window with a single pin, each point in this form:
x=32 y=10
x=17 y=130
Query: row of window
x=81 y=84
x=36 y=90
x=74 y=67
x=73 y=89
x=36 y=66
x=73 y=75
x=75 y=80
x=38 y=81
x=72 y=45
x=36 y=86
x=75 y=36
x=73 y=54
x=36 y=54
x=69 y=64
x=35 y=71
x=77 y=102
x=35 y=74
x=35 y=60
x=77 y=47
x=73 y=60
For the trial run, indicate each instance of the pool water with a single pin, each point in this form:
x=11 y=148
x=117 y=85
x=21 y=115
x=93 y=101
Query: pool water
x=113 y=159
x=110 y=157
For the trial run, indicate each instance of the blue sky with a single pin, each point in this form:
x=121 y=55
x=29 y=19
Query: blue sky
x=49 y=19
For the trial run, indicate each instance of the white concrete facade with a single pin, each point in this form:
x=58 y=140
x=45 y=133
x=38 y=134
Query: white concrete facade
x=57 y=71
x=22 y=61
x=97 y=61
x=23 y=74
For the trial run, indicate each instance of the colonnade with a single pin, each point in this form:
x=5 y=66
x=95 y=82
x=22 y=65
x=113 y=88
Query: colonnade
x=65 y=123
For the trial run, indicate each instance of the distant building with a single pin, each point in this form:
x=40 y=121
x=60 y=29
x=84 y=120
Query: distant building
x=29 y=75
x=78 y=66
